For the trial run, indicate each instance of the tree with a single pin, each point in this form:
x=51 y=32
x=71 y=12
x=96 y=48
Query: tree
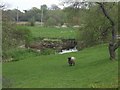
x=7 y=31
x=92 y=27
x=113 y=45
x=13 y=14
x=44 y=9
x=57 y=15
x=109 y=20
x=32 y=21
x=33 y=12
x=51 y=22
x=72 y=15
x=54 y=7
x=12 y=36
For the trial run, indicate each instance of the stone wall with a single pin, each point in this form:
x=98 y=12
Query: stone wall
x=55 y=44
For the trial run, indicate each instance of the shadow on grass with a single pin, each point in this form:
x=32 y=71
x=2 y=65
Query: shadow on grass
x=6 y=83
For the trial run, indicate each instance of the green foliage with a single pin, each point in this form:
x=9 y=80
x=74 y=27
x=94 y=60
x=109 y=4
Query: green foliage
x=19 y=54
x=35 y=14
x=23 y=33
x=12 y=35
x=51 y=22
x=96 y=27
x=12 y=14
x=32 y=21
x=29 y=14
x=8 y=28
x=53 y=71
x=86 y=38
x=58 y=17
x=44 y=8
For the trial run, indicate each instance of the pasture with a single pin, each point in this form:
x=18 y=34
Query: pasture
x=93 y=69
x=53 y=32
x=34 y=40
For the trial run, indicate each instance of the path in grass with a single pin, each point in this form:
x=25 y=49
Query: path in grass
x=93 y=69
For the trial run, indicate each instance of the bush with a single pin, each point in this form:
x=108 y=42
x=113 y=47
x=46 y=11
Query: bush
x=87 y=38
x=32 y=21
x=18 y=54
x=8 y=28
x=51 y=22
x=23 y=33
x=91 y=36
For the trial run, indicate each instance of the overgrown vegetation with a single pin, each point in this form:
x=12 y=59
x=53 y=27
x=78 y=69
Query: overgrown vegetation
x=96 y=28
x=7 y=33
x=12 y=35
x=24 y=34
x=32 y=21
x=16 y=54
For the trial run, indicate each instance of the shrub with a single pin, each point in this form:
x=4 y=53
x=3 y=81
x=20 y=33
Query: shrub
x=18 y=54
x=51 y=22
x=23 y=33
x=32 y=21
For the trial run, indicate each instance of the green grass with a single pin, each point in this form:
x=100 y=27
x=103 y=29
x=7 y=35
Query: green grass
x=52 y=32
x=93 y=69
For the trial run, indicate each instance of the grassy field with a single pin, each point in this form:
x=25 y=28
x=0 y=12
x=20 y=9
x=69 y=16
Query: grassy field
x=93 y=69
x=52 y=32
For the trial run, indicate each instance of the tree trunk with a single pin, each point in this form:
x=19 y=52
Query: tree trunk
x=112 y=43
x=112 y=51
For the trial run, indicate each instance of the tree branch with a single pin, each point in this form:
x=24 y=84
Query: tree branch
x=105 y=12
x=116 y=45
x=109 y=18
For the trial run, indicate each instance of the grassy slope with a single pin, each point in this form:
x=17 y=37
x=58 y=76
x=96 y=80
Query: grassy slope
x=52 y=32
x=93 y=69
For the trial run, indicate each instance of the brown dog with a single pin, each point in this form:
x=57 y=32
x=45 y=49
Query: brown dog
x=71 y=61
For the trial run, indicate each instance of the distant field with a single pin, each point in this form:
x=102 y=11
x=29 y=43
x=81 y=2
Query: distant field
x=93 y=70
x=52 y=32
